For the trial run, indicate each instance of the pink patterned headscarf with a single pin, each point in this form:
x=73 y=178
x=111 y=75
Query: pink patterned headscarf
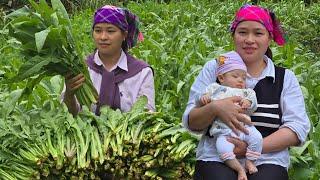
x=123 y=19
x=262 y=15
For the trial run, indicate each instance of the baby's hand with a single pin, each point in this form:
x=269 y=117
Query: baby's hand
x=205 y=99
x=245 y=104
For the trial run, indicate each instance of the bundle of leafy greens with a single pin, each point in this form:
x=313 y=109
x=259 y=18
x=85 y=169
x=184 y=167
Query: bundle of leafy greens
x=48 y=47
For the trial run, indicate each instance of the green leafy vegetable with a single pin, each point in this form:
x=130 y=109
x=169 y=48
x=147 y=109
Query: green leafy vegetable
x=49 y=47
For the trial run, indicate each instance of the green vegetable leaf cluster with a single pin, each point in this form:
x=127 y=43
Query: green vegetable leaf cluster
x=48 y=46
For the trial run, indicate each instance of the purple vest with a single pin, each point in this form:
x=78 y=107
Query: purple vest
x=109 y=90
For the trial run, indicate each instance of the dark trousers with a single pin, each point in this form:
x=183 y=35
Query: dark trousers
x=219 y=171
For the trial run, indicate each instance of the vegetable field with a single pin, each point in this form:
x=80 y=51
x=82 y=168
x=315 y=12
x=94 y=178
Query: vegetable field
x=39 y=139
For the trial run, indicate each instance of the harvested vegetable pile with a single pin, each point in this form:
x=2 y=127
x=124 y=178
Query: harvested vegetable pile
x=49 y=143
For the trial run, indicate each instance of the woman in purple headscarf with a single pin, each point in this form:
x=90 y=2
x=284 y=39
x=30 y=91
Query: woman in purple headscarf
x=119 y=78
x=281 y=116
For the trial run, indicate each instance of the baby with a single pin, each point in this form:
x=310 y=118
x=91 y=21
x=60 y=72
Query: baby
x=231 y=77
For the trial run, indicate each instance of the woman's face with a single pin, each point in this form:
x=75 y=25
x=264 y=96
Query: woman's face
x=251 y=40
x=108 y=38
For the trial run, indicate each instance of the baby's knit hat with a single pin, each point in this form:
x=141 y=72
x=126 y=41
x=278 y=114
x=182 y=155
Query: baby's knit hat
x=230 y=61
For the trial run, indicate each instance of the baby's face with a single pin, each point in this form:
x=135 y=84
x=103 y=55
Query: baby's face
x=235 y=79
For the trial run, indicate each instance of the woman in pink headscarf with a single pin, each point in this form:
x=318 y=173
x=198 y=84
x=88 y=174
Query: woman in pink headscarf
x=119 y=78
x=281 y=116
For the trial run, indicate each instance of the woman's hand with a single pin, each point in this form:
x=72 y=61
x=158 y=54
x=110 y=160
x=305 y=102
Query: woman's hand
x=225 y=109
x=232 y=114
x=73 y=83
x=240 y=148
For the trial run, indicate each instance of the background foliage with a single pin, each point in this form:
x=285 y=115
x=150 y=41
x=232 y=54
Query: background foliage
x=180 y=36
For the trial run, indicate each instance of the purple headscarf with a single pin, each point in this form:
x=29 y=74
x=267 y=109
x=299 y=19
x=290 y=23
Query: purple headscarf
x=123 y=19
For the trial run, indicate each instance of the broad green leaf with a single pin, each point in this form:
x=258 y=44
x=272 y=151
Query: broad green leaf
x=112 y=117
x=140 y=104
x=70 y=39
x=168 y=173
x=152 y=173
x=40 y=38
x=45 y=8
x=30 y=85
x=171 y=131
x=42 y=10
x=11 y=102
x=35 y=5
x=55 y=38
x=23 y=36
x=32 y=67
x=25 y=11
x=24 y=28
x=58 y=6
x=54 y=19
x=57 y=84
